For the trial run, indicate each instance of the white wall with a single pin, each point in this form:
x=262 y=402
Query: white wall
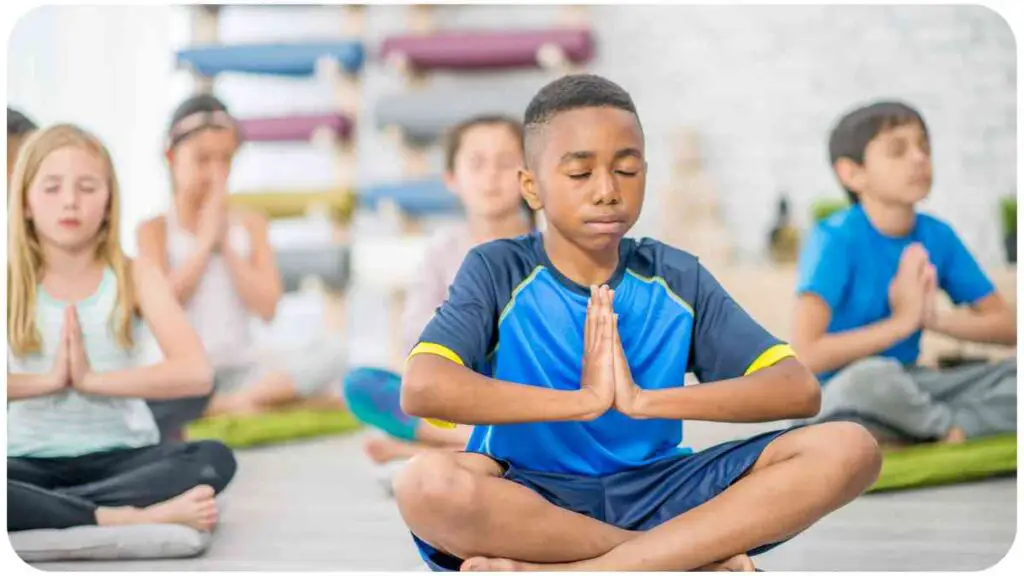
x=108 y=69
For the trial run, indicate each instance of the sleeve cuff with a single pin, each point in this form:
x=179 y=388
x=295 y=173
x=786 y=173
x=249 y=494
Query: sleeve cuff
x=444 y=352
x=769 y=357
x=437 y=350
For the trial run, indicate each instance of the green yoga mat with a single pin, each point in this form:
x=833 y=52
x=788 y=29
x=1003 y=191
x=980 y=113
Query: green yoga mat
x=245 y=431
x=937 y=464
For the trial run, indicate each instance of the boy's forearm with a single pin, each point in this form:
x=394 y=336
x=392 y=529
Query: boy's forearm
x=783 y=391
x=22 y=386
x=437 y=388
x=833 y=351
x=164 y=381
x=995 y=327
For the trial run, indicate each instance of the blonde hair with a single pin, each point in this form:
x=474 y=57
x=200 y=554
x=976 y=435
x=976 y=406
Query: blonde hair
x=25 y=262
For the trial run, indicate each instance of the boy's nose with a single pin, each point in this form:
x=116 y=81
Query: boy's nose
x=607 y=191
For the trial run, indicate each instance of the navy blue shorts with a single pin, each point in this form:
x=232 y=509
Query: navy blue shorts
x=637 y=499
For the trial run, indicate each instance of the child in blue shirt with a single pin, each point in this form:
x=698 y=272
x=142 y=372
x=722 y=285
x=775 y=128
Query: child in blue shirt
x=869 y=276
x=567 y=351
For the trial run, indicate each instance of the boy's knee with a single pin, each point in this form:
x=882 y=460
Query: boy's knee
x=217 y=463
x=849 y=450
x=434 y=484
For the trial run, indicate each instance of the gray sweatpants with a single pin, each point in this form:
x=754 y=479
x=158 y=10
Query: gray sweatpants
x=909 y=403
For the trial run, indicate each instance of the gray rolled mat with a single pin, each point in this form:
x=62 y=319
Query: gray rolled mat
x=329 y=263
x=425 y=115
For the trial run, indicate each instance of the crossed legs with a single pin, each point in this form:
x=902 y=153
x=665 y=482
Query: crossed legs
x=459 y=504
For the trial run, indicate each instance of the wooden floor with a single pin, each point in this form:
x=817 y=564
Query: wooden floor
x=318 y=506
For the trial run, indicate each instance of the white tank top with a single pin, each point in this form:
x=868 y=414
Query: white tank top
x=215 y=309
x=68 y=423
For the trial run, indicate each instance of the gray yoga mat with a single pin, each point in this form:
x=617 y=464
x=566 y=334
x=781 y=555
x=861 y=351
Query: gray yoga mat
x=329 y=263
x=425 y=115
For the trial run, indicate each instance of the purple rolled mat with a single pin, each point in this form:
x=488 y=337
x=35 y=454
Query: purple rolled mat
x=294 y=128
x=487 y=50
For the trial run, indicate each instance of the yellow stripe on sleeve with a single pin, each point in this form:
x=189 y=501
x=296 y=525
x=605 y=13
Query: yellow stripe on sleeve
x=444 y=352
x=770 y=357
x=437 y=350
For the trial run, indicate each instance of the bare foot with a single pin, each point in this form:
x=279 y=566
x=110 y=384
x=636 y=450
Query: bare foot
x=238 y=403
x=195 y=508
x=382 y=449
x=738 y=563
x=481 y=564
x=956 y=435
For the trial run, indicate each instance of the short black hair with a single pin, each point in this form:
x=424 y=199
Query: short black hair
x=18 y=124
x=856 y=129
x=573 y=92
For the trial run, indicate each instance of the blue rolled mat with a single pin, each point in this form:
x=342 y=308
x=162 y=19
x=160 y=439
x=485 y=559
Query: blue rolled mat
x=279 y=59
x=414 y=197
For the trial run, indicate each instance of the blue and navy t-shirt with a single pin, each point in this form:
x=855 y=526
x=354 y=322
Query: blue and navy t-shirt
x=850 y=264
x=512 y=316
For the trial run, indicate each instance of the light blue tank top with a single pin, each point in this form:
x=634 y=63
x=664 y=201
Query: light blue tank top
x=69 y=423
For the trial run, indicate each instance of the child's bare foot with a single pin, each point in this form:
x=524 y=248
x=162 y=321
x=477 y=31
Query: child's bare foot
x=481 y=564
x=195 y=508
x=382 y=449
x=240 y=404
x=738 y=563
x=956 y=435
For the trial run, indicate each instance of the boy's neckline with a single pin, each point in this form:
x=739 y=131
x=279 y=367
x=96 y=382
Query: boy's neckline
x=613 y=282
x=910 y=234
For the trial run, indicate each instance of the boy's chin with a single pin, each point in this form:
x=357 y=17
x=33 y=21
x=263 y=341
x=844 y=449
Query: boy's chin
x=601 y=242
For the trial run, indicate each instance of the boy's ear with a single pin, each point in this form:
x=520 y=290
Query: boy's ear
x=528 y=188
x=850 y=174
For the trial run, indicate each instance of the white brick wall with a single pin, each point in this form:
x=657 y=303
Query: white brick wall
x=762 y=84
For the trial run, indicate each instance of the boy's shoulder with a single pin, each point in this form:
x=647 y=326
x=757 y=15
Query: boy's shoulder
x=652 y=258
x=506 y=250
x=931 y=224
x=842 y=224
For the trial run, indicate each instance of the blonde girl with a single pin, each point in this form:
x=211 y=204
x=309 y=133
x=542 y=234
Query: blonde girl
x=83 y=447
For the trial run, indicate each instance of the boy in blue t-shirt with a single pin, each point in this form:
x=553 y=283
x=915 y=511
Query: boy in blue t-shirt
x=868 y=282
x=576 y=392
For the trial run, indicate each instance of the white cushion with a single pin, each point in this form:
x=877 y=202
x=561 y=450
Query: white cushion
x=143 y=541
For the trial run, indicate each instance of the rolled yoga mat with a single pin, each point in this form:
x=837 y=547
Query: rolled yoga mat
x=328 y=263
x=299 y=128
x=414 y=197
x=938 y=464
x=488 y=49
x=339 y=204
x=426 y=115
x=278 y=59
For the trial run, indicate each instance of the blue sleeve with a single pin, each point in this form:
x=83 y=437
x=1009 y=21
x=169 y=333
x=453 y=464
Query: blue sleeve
x=824 y=268
x=960 y=276
x=463 y=328
x=727 y=342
